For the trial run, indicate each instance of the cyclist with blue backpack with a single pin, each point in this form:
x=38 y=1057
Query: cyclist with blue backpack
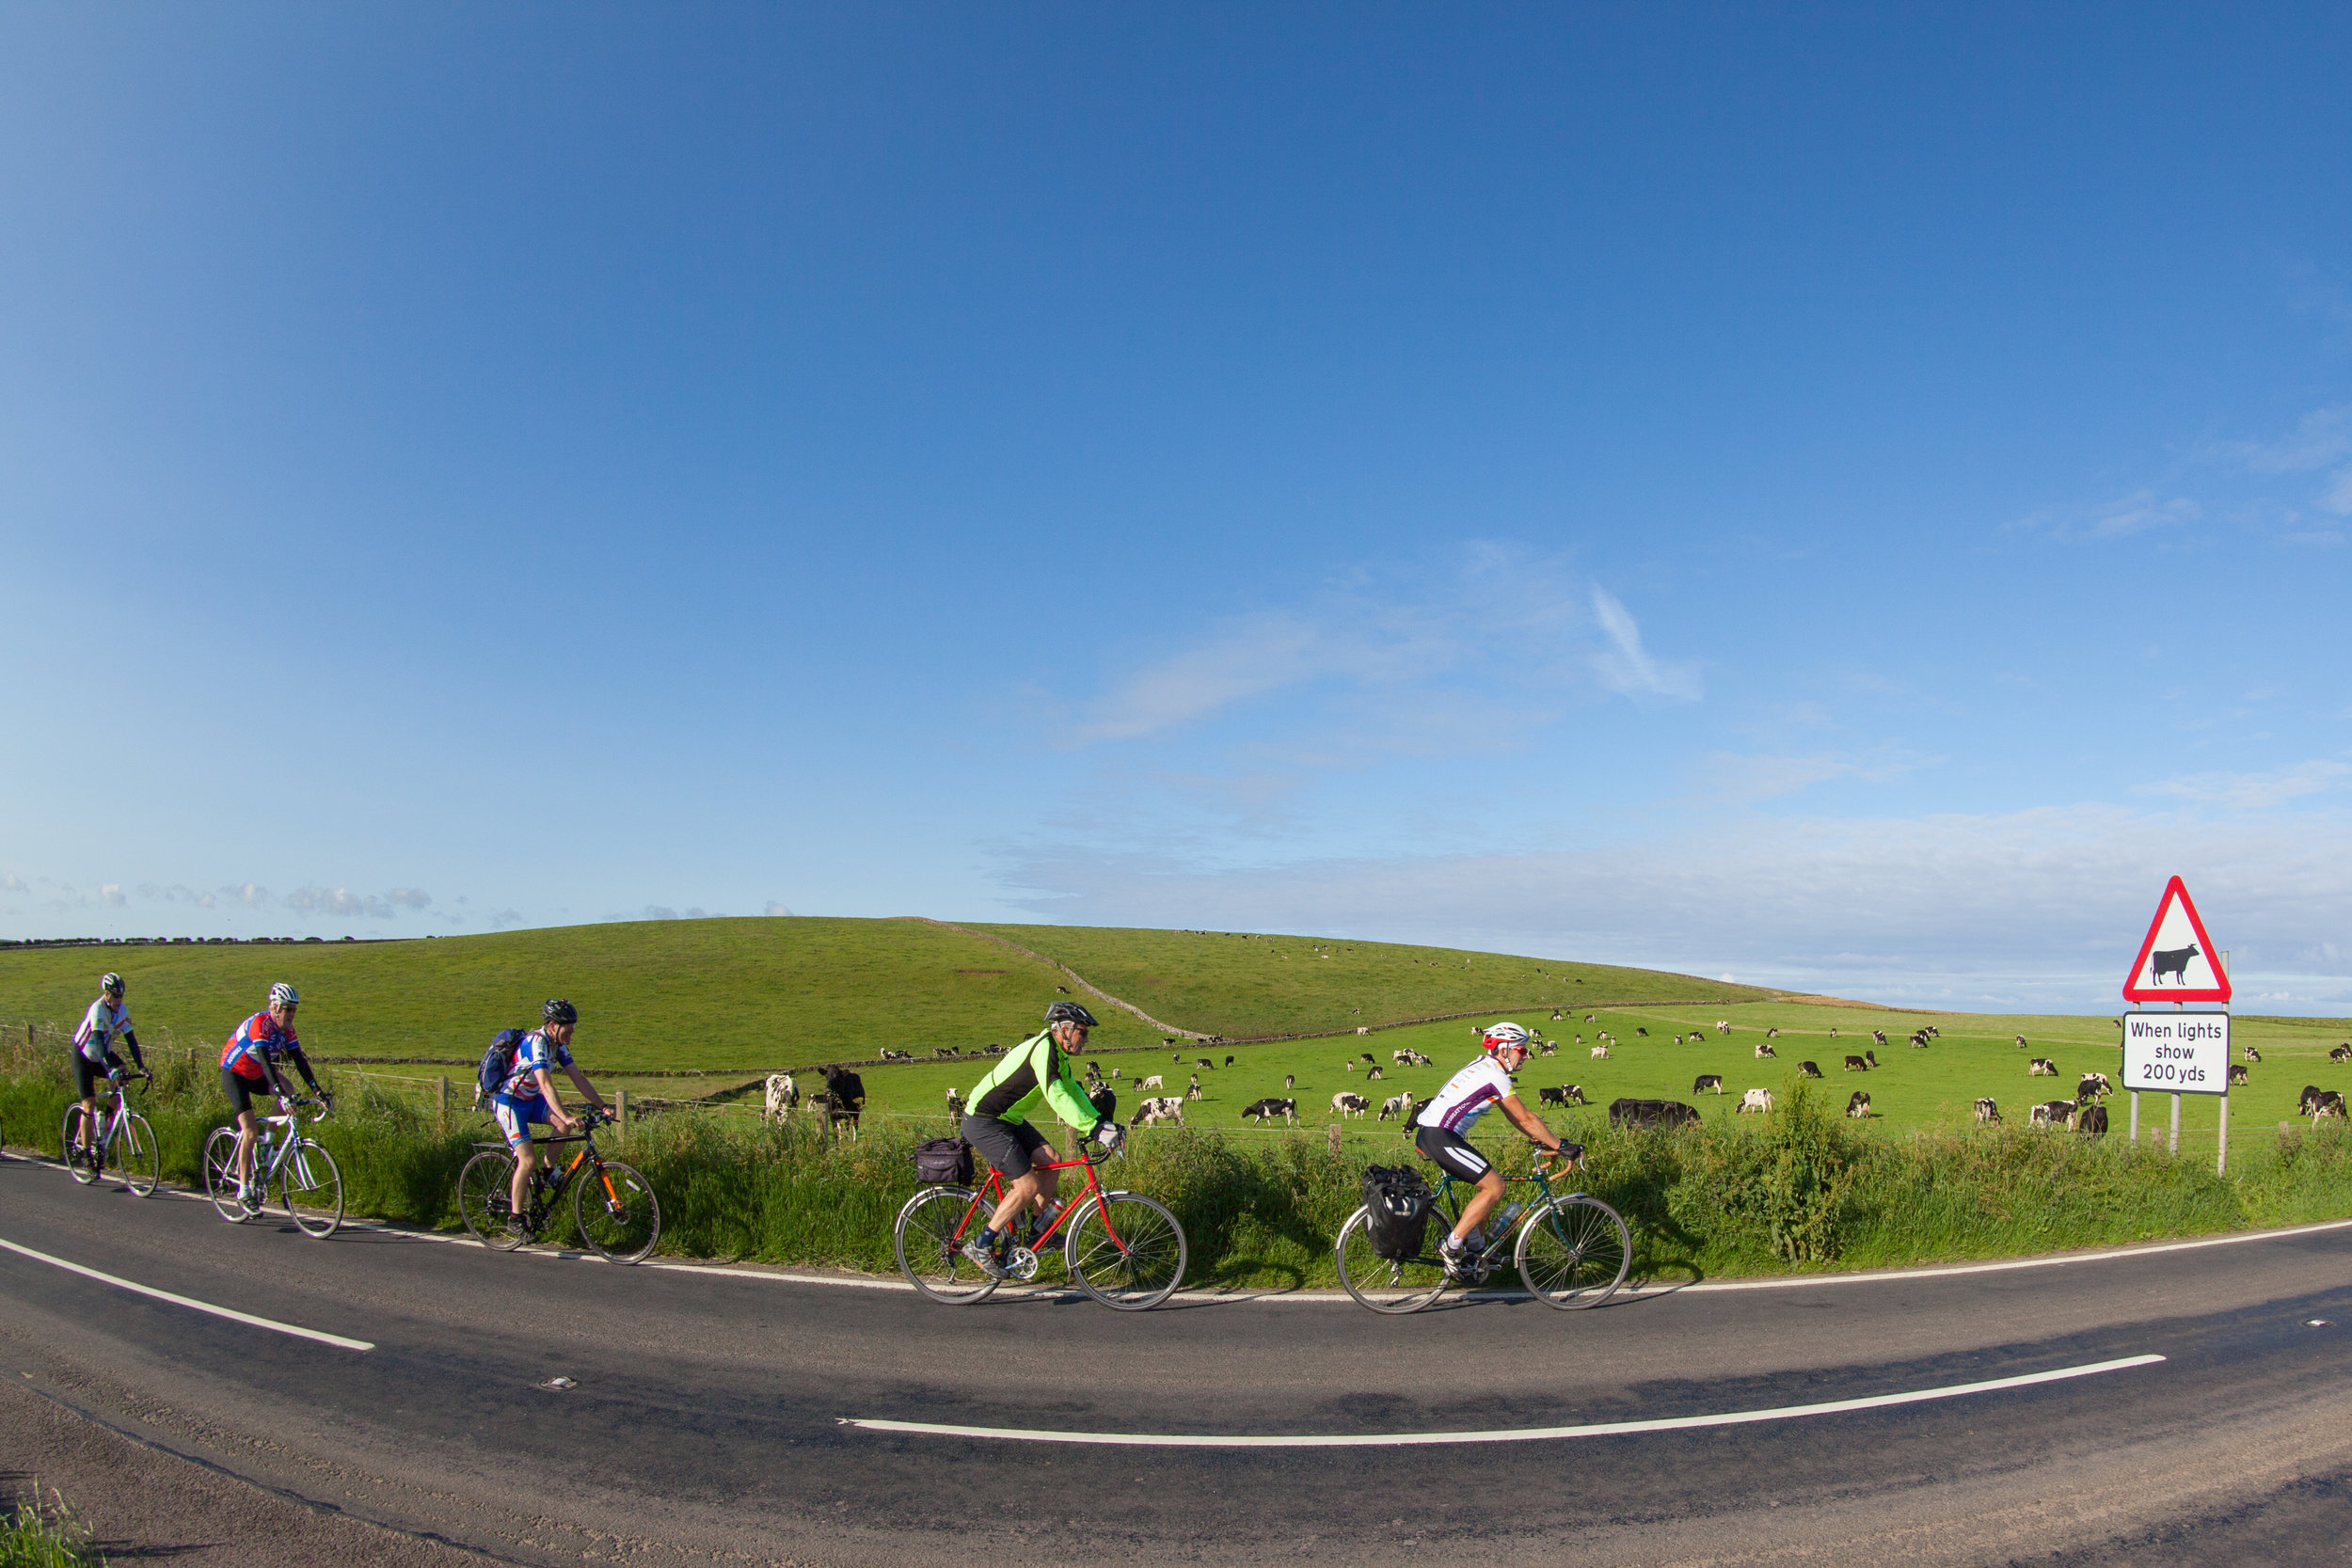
x=525 y=1093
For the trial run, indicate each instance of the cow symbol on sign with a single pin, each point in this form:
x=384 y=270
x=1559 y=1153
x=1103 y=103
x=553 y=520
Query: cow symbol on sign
x=2173 y=962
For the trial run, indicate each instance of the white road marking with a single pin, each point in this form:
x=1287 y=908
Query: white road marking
x=295 y=1329
x=1528 y=1435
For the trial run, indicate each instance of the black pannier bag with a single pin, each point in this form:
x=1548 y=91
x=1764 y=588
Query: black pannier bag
x=1396 y=1202
x=943 y=1159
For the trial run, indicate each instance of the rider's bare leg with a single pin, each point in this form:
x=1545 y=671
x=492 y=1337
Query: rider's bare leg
x=518 y=1189
x=1039 y=1187
x=1482 y=1203
x=248 y=1128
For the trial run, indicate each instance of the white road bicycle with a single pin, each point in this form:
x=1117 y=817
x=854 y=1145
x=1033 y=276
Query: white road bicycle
x=125 y=1143
x=307 y=1180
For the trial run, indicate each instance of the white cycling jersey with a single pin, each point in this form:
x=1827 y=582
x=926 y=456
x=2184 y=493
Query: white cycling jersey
x=1467 y=1096
x=100 y=1025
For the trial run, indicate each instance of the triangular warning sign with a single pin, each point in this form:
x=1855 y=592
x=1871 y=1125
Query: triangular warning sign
x=2177 y=962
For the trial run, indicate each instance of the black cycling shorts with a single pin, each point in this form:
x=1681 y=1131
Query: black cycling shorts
x=86 y=1073
x=1011 y=1147
x=243 y=1092
x=1452 y=1153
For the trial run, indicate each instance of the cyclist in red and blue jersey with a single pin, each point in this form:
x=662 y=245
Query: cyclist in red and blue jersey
x=529 y=1096
x=251 y=1064
x=1444 y=1124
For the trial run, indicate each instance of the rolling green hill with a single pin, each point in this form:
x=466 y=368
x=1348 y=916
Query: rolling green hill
x=753 y=993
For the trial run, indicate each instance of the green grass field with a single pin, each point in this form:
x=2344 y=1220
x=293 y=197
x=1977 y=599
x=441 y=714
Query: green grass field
x=752 y=994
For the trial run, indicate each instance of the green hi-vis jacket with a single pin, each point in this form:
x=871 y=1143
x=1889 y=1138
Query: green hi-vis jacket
x=1036 y=1067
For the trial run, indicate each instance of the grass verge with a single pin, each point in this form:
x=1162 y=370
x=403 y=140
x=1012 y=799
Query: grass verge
x=45 y=1535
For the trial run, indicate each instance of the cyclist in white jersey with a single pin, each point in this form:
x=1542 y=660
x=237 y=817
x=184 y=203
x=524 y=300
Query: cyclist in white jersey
x=106 y=1021
x=1442 y=1130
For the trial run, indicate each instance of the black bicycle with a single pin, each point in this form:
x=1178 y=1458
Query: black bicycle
x=612 y=1204
x=1571 y=1249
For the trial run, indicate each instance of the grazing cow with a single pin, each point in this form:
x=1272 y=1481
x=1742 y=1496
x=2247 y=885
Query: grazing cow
x=1707 y=1083
x=783 y=1095
x=1764 y=1050
x=1987 y=1111
x=1551 y=1047
x=1808 y=1070
x=1600 y=1051
x=2330 y=1104
x=1114 y=1073
x=2310 y=1099
x=1858 y=1105
x=2340 y=1053
x=1206 y=1063
x=1229 y=1061
x=1105 y=1101
x=2021 y=1042
x=1668 y=1114
x=1346 y=1104
x=1398 y=1105
x=1290 y=1080
x=1871 y=1057
x=2106 y=1086
x=1363 y=1029
x=1152 y=1112
x=2172 y=961
x=2051 y=1113
x=1723 y=1026
x=1833 y=1031
x=1372 y=1072
x=1855 y=1064
x=1919 y=1040
x=955 y=1103
x=1154 y=1081
x=1638 y=1030
x=1588 y=1018
x=1772 y=1034
x=1759 y=1101
x=1365 y=1059
x=2041 y=1066
x=1266 y=1110
x=1878 y=1034
x=845 y=1099
x=1400 y=1058
x=1195 y=1092
x=1178 y=1058
x=2252 y=1054
x=2091 y=1119
x=1552 y=1096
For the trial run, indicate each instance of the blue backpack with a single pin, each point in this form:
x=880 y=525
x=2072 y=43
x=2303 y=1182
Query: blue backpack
x=498 y=1063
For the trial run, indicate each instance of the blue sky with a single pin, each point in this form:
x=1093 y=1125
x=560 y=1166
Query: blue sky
x=1849 y=500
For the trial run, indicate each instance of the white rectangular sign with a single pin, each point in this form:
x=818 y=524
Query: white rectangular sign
x=2176 y=1053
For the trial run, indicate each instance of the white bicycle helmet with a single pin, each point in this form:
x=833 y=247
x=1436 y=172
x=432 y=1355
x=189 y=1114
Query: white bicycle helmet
x=283 y=994
x=1502 y=1035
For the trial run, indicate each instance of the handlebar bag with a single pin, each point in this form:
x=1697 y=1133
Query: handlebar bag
x=943 y=1159
x=1396 y=1202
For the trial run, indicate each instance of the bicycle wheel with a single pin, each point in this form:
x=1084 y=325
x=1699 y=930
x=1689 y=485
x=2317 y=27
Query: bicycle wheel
x=486 y=1201
x=1385 y=1283
x=1127 y=1250
x=220 y=1174
x=1574 y=1253
x=928 y=1238
x=312 y=1186
x=617 y=1213
x=76 y=1164
x=135 y=1156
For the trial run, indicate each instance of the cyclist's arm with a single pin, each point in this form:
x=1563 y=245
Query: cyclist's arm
x=293 y=1054
x=1530 y=1123
x=556 y=1113
x=131 y=1040
x=1070 y=1102
x=587 y=1092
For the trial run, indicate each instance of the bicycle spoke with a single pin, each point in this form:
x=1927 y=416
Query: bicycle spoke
x=483 y=1201
x=312 y=1186
x=616 y=1211
x=220 y=1174
x=1575 y=1253
x=928 y=1238
x=1127 y=1251
x=137 y=1157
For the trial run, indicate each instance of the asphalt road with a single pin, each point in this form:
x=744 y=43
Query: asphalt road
x=705 y=1419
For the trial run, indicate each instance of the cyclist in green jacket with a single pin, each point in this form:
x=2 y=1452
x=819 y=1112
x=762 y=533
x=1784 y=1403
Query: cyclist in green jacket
x=997 y=1124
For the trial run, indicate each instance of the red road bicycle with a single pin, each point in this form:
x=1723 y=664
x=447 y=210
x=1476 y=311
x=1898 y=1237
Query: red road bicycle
x=1123 y=1249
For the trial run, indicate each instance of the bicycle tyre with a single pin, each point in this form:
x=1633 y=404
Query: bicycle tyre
x=928 y=1238
x=624 y=1220
x=484 y=1200
x=76 y=1165
x=312 y=1185
x=1575 y=1252
x=1127 y=1251
x=220 y=1174
x=137 y=1158
x=1383 y=1284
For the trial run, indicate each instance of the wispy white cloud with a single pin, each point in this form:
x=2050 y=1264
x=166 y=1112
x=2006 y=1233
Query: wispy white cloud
x=1627 y=666
x=2320 y=439
x=2255 y=791
x=1763 y=778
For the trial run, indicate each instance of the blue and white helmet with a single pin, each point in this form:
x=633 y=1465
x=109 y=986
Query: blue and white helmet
x=283 y=995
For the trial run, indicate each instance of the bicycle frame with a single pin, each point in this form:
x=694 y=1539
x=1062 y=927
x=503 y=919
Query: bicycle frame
x=991 y=1193
x=287 y=1121
x=1447 y=1205
x=559 y=1179
x=112 y=1123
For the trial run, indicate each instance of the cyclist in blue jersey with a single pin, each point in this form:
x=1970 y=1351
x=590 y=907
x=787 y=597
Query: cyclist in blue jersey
x=528 y=1096
x=106 y=1021
x=1442 y=1128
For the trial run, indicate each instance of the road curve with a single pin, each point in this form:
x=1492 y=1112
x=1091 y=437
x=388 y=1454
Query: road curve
x=704 y=1420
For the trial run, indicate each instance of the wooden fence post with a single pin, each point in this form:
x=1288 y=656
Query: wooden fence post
x=1333 y=1134
x=440 y=1109
x=620 y=1116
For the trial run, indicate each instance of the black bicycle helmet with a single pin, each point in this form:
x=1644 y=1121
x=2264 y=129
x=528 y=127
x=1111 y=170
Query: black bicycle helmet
x=560 y=1011
x=1068 y=1012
